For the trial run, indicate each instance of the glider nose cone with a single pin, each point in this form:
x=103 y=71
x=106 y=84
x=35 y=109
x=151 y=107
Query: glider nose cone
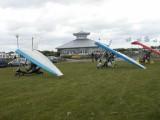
x=60 y=74
x=143 y=67
x=135 y=42
x=54 y=70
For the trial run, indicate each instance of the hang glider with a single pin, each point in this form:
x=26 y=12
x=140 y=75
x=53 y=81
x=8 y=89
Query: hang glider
x=120 y=55
x=146 y=47
x=40 y=60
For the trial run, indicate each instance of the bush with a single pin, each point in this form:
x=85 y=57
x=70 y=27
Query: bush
x=76 y=57
x=67 y=56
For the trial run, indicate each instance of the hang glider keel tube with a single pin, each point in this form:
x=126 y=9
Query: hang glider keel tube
x=120 y=55
x=40 y=60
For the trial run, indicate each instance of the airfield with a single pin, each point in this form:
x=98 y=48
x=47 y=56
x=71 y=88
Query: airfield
x=83 y=93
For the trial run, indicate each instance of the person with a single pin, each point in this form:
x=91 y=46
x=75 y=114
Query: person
x=111 y=57
x=146 y=57
x=103 y=60
x=99 y=65
x=96 y=57
x=106 y=55
x=92 y=56
x=15 y=57
x=34 y=69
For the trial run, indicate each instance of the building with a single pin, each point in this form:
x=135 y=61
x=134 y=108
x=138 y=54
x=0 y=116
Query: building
x=10 y=55
x=80 y=46
x=3 y=55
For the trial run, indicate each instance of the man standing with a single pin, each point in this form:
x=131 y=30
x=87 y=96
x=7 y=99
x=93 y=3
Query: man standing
x=92 y=56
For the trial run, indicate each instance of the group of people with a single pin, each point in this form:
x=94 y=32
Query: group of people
x=103 y=60
x=107 y=59
x=96 y=55
x=26 y=69
x=146 y=57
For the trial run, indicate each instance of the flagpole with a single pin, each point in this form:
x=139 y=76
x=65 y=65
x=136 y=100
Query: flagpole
x=32 y=42
x=17 y=36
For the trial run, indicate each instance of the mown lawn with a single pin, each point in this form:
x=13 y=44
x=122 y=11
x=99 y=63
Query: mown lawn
x=83 y=93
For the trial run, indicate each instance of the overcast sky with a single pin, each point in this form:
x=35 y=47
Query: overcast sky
x=52 y=22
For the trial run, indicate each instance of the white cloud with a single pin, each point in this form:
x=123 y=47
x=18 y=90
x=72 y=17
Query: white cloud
x=54 y=21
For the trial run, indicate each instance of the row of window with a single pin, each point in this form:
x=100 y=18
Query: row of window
x=83 y=51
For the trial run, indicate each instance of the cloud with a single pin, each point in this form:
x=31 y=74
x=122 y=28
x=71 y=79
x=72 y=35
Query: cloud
x=52 y=22
x=22 y=3
x=40 y=3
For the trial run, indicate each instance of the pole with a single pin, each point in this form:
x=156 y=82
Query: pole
x=32 y=42
x=17 y=36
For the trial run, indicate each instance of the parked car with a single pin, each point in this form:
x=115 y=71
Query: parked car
x=3 y=63
x=17 y=62
x=54 y=59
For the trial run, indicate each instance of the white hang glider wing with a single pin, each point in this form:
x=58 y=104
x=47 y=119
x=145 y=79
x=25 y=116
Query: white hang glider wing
x=40 y=60
x=120 y=55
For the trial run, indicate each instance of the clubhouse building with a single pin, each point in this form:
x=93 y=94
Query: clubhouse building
x=80 y=46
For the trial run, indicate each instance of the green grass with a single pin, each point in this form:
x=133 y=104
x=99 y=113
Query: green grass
x=83 y=93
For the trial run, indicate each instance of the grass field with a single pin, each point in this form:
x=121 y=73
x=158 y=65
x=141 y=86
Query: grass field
x=83 y=93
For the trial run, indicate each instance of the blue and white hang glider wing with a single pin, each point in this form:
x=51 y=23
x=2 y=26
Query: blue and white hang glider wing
x=40 y=60
x=118 y=54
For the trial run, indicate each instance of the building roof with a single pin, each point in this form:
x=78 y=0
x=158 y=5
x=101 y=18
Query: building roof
x=78 y=43
x=81 y=33
x=81 y=41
